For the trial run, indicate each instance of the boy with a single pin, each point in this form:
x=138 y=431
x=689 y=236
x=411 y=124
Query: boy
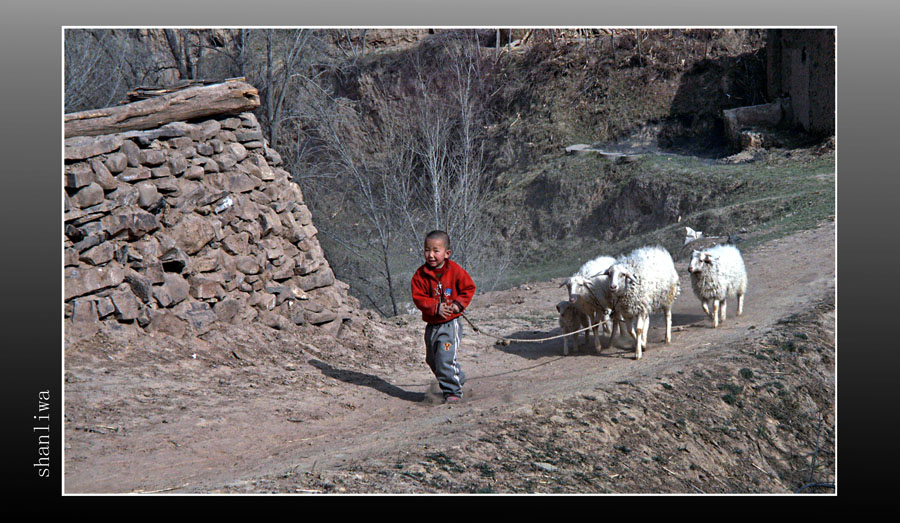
x=442 y=289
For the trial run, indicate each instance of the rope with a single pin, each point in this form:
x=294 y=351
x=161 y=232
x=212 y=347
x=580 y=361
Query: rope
x=537 y=340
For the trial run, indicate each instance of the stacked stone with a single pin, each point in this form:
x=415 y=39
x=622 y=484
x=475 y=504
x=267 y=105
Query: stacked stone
x=178 y=227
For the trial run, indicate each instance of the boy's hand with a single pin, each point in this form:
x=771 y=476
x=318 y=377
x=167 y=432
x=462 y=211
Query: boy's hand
x=448 y=309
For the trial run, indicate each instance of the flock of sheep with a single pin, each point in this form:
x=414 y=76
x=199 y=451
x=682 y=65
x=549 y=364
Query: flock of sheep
x=620 y=293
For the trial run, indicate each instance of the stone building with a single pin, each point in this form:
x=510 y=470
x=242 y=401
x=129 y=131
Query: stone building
x=801 y=67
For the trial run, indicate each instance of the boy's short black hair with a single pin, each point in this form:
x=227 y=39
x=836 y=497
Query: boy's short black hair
x=439 y=235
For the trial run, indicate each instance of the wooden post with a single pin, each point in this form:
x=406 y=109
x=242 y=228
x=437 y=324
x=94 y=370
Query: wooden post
x=229 y=97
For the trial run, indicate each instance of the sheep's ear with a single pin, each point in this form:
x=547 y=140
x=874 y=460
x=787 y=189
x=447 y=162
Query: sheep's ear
x=558 y=308
x=563 y=284
x=630 y=277
x=710 y=258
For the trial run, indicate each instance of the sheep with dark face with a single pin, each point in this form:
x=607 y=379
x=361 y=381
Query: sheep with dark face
x=718 y=273
x=588 y=292
x=571 y=319
x=640 y=283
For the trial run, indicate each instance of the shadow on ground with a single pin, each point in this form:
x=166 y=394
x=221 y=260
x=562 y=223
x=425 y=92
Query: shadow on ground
x=368 y=380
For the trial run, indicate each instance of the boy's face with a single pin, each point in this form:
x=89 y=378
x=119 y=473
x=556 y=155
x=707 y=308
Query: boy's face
x=436 y=253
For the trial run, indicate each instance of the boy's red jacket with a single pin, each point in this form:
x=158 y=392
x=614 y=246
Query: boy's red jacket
x=455 y=283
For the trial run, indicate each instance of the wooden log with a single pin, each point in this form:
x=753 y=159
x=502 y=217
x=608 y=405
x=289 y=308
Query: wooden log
x=229 y=97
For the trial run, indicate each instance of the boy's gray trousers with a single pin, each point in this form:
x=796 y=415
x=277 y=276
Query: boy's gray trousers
x=441 y=345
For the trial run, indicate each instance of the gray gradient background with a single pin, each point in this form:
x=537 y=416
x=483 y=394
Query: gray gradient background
x=868 y=71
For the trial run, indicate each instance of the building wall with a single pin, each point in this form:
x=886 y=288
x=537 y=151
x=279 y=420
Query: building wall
x=801 y=65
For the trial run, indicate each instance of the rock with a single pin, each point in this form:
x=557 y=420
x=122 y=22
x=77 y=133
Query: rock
x=199 y=316
x=302 y=215
x=83 y=147
x=166 y=322
x=206 y=130
x=116 y=162
x=182 y=142
x=134 y=174
x=85 y=310
x=231 y=123
x=240 y=183
x=262 y=300
x=319 y=318
x=269 y=221
x=208 y=261
x=140 y=285
x=205 y=149
x=175 y=260
x=103 y=176
x=237 y=150
x=284 y=271
x=124 y=195
x=194 y=173
x=152 y=157
x=217 y=145
x=192 y=233
x=546 y=467
x=132 y=153
x=227 y=310
x=162 y=171
x=237 y=244
x=174 y=291
x=98 y=255
x=80 y=281
x=272 y=157
x=79 y=175
x=177 y=164
x=127 y=306
x=225 y=160
x=85 y=319
x=88 y=196
x=136 y=221
x=321 y=278
x=70 y=257
x=148 y=194
x=205 y=288
x=105 y=307
x=276 y=321
x=248 y=135
x=246 y=264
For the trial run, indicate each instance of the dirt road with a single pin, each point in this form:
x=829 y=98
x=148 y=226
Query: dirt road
x=240 y=409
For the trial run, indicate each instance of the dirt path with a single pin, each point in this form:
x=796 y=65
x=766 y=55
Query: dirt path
x=186 y=424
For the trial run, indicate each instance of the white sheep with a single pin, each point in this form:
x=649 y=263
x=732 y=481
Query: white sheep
x=718 y=273
x=588 y=291
x=571 y=319
x=642 y=282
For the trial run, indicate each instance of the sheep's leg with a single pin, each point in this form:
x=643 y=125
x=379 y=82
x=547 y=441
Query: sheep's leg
x=638 y=337
x=612 y=332
x=715 y=313
x=705 y=305
x=722 y=309
x=646 y=328
x=668 y=325
x=740 y=304
x=585 y=323
x=566 y=345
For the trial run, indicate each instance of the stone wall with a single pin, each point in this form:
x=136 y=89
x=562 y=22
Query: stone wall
x=179 y=227
x=801 y=66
